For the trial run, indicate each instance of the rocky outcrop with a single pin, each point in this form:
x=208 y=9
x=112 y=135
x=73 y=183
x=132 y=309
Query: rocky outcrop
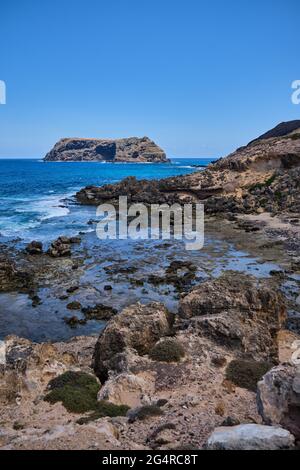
x=234 y=311
x=260 y=177
x=12 y=277
x=250 y=437
x=137 y=328
x=62 y=247
x=279 y=397
x=132 y=150
x=34 y=248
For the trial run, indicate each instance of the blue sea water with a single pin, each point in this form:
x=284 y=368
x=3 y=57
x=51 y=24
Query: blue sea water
x=36 y=197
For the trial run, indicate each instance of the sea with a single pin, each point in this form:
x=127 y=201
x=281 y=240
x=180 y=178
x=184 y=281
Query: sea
x=37 y=197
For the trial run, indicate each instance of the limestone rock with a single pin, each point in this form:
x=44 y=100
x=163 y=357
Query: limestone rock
x=235 y=311
x=128 y=389
x=132 y=149
x=250 y=437
x=279 y=397
x=138 y=327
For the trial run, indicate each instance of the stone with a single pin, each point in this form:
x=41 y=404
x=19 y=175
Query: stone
x=278 y=397
x=12 y=277
x=235 y=311
x=60 y=248
x=250 y=437
x=137 y=327
x=128 y=389
x=131 y=149
x=34 y=248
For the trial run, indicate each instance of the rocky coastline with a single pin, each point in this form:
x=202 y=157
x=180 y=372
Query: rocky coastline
x=220 y=370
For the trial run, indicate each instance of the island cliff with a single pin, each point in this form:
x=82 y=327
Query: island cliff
x=131 y=149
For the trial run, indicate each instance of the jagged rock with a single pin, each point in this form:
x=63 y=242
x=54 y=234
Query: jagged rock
x=278 y=397
x=60 y=248
x=234 y=311
x=132 y=149
x=138 y=327
x=262 y=176
x=99 y=312
x=12 y=278
x=34 y=248
x=128 y=389
x=250 y=437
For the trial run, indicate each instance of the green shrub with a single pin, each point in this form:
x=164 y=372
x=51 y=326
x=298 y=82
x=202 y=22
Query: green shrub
x=104 y=408
x=167 y=350
x=246 y=374
x=144 y=412
x=76 y=390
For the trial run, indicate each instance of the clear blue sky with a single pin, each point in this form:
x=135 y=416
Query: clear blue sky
x=199 y=77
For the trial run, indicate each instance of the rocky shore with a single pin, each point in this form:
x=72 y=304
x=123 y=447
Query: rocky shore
x=204 y=353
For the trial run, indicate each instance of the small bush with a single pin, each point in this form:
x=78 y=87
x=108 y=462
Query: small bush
x=144 y=412
x=76 y=390
x=246 y=374
x=167 y=350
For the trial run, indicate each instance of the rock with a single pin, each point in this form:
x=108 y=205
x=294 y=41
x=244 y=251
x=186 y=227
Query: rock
x=120 y=150
x=74 y=305
x=13 y=278
x=128 y=389
x=250 y=437
x=137 y=327
x=230 y=421
x=74 y=321
x=60 y=248
x=260 y=177
x=235 y=311
x=278 y=397
x=34 y=248
x=99 y=312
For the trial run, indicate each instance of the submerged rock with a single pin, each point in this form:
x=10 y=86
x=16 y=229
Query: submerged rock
x=250 y=437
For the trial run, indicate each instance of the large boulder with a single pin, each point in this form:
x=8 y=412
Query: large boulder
x=236 y=312
x=128 y=389
x=250 y=437
x=136 y=328
x=278 y=397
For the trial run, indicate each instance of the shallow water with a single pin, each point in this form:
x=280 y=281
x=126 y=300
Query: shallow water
x=119 y=264
x=33 y=206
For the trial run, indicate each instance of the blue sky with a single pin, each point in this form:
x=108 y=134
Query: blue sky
x=199 y=77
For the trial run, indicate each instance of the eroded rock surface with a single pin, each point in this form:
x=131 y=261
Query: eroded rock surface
x=132 y=149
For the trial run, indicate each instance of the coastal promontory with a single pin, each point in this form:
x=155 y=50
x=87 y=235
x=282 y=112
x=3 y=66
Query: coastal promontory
x=132 y=150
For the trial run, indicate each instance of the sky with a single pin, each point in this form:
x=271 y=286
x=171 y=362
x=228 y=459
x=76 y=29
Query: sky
x=199 y=77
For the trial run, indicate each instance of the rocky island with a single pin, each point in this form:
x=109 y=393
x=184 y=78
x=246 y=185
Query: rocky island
x=197 y=350
x=131 y=150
